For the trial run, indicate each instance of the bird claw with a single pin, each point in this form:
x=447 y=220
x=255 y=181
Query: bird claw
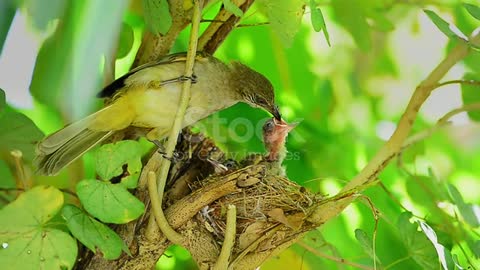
x=182 y=78
x=192 y=78
x=162 y=151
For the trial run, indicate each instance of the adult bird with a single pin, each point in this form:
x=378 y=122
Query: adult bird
x=148 y=96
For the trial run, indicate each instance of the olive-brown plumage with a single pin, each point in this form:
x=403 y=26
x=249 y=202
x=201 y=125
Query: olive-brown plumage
x=148 y=96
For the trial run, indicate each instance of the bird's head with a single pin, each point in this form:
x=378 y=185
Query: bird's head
x=255 y=89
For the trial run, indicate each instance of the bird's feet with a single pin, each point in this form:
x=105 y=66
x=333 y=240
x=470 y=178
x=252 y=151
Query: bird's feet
x=182 y=78
x=161 y=150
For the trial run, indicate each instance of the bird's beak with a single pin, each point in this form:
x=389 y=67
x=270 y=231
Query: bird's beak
x=276 y=113
x=284 y=125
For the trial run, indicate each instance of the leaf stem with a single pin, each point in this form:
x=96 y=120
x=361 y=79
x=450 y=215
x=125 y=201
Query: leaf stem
x=22 y=181
x=333 y=258
x=396 y=262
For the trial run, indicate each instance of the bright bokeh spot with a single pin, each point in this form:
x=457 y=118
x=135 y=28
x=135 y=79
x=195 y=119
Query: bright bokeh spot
x=16 y=66
x=385 y=129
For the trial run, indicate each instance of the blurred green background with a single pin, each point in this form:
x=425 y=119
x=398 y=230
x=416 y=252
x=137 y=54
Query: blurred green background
x=348 y=98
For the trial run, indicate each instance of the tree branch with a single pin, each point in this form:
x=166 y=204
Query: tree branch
x=393 y=146
x=422 y=92
x=216 y=33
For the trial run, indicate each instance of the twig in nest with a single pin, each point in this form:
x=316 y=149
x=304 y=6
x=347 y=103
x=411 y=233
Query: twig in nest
x=229 y=240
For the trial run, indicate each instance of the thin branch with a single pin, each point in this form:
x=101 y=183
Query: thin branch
x=469 y=82
x=240 y=25
x=441 y=123
x=394 y=145
x=216 y=33
x=184 y=99
x=465 y=108
x=170 y=233
x=333 y=258
x=375 y=213
x=422 y=92
x=182 y=106
x=229 y=241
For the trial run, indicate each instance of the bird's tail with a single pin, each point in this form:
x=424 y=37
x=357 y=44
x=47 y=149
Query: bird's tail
x=63 y=147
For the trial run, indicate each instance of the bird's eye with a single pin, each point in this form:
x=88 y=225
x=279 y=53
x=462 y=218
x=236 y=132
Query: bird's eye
x=260 y=100
x=268 y=126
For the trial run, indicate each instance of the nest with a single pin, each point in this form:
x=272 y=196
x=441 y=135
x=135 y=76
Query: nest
x=267 y=203
x=269 y=199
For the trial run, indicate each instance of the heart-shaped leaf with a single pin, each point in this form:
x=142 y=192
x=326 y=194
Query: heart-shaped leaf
x=27 y=241
x=92 y=233
x=111 y=159
x=111 y=203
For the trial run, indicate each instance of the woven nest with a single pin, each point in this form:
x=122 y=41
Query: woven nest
x=272 y=199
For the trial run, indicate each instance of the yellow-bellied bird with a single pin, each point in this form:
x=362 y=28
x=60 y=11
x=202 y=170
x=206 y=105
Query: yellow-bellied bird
x=148 y=97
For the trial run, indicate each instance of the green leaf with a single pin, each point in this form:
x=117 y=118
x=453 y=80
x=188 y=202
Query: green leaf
x=471 y=94
x=6 y=177
x=411 y=153
x=157 y=16
x=7 y=180
x=7 y=12
x=3 y=101
x=231 y=7
x=366 y=242
x=426 y=191
x=419 y=247
x=468 y=211
x=18 y=132
x=285 y=17
x=27 y=240
x=380 y=22
x=351 y=14
x=111 y=203
x=66 y=74
x=125 y=41
x=444 y=26
x=473 y=10
x=318 y=21
x=443 y=254
x=474 y=246
x=42 y=14
x=49 y=75
x=92 y=233
x=112 y=158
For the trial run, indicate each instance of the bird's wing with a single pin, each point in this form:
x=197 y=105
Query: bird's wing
x=111 y=89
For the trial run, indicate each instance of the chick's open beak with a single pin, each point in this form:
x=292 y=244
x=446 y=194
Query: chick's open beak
x=276 y=113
